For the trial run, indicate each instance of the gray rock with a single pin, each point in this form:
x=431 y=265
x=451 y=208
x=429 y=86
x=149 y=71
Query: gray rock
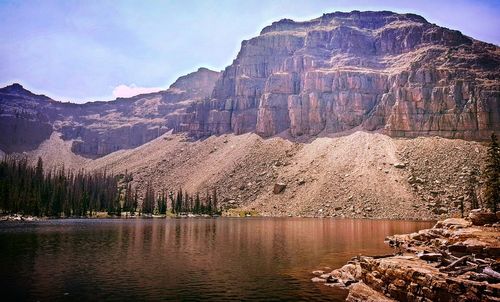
x=278 y=188
x=318 y=280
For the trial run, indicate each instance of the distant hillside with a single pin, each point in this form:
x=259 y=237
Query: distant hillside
x=98 y=128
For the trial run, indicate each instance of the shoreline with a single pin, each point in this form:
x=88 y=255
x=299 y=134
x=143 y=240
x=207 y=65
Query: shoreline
x=456 y=260
x=28 y=218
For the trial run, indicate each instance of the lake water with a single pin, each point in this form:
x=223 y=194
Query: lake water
x=183 y=259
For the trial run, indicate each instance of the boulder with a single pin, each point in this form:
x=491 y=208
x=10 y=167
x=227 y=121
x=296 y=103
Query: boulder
x=278 y=188
x=360 y=292
x=481 y=218
x=455 y=223
x=318 y=280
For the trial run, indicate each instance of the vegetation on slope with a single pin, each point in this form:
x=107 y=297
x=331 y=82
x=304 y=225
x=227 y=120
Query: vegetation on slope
x=32 y=191
x=492 y=190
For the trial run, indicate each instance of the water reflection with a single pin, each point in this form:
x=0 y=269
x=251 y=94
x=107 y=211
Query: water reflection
x=183 y=259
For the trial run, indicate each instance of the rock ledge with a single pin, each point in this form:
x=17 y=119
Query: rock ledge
x=453 y=261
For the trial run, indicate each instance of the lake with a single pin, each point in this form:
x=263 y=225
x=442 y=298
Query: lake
x=184 y=259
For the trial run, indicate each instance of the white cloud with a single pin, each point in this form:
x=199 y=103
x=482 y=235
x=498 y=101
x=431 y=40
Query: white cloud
x=125 y=91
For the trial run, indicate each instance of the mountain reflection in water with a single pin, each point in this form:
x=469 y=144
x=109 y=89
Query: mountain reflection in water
x=184 y=259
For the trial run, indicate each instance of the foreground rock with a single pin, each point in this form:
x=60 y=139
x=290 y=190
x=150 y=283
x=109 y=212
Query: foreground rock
x=453 y=261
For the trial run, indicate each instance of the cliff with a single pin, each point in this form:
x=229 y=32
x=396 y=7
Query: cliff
x=394 y=73
x=97 y=128
x=377 y=71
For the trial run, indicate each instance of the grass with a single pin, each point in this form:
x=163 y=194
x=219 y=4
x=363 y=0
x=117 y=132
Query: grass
x=239 y=213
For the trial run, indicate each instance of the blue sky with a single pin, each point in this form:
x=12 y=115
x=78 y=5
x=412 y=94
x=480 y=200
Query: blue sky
x=84 y=50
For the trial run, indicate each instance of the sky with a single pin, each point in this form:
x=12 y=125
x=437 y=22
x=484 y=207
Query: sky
x=89 y=50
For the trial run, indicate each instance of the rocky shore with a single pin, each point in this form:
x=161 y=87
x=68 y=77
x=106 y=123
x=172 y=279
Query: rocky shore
x=456 y=260
x=18 y=217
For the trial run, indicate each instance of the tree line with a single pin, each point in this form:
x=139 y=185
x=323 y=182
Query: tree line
x=29 y=190
x=180 y=202
x=32 y=191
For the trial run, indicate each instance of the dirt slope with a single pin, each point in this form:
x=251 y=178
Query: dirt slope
x=348 y=176
x=56 y=153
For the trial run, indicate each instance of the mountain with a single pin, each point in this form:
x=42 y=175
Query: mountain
x=98 y=128
x=378 y=71
x=394 y=73
x=317 y=106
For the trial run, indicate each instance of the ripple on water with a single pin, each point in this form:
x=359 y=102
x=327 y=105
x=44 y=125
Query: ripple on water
x=183 y=259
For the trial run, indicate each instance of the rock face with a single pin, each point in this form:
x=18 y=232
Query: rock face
x=428 y=267
x=384 y=71
x=98 y=128
x=377 y=71
x=19 y=119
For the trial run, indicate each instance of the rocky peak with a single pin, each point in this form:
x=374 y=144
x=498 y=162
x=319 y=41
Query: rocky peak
x=15 y=87
x=201 y=80
x=282 y=25
x=369 y=19
x=358 y=19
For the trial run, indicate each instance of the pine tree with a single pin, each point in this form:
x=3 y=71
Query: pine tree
x=197 y=204
x=172 y=202
x=471 y=191
x=114 y=206
x=214 y=198
x=149 y=200
x=29 y=190
x=492 y=184
x=39 y=170
x=186 y=205
x=178 y=202
x=209 y=204
x=136 y=201
x=162 y=204
x=128 y=199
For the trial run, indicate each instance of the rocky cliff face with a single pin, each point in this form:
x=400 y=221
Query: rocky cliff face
x=24 y=121
x=383 y=71
x=98 y=128
x=377 y=71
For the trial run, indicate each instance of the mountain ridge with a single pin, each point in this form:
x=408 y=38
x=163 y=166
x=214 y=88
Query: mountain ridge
x=97 y=128
x=376 y=71
x=345 y=70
